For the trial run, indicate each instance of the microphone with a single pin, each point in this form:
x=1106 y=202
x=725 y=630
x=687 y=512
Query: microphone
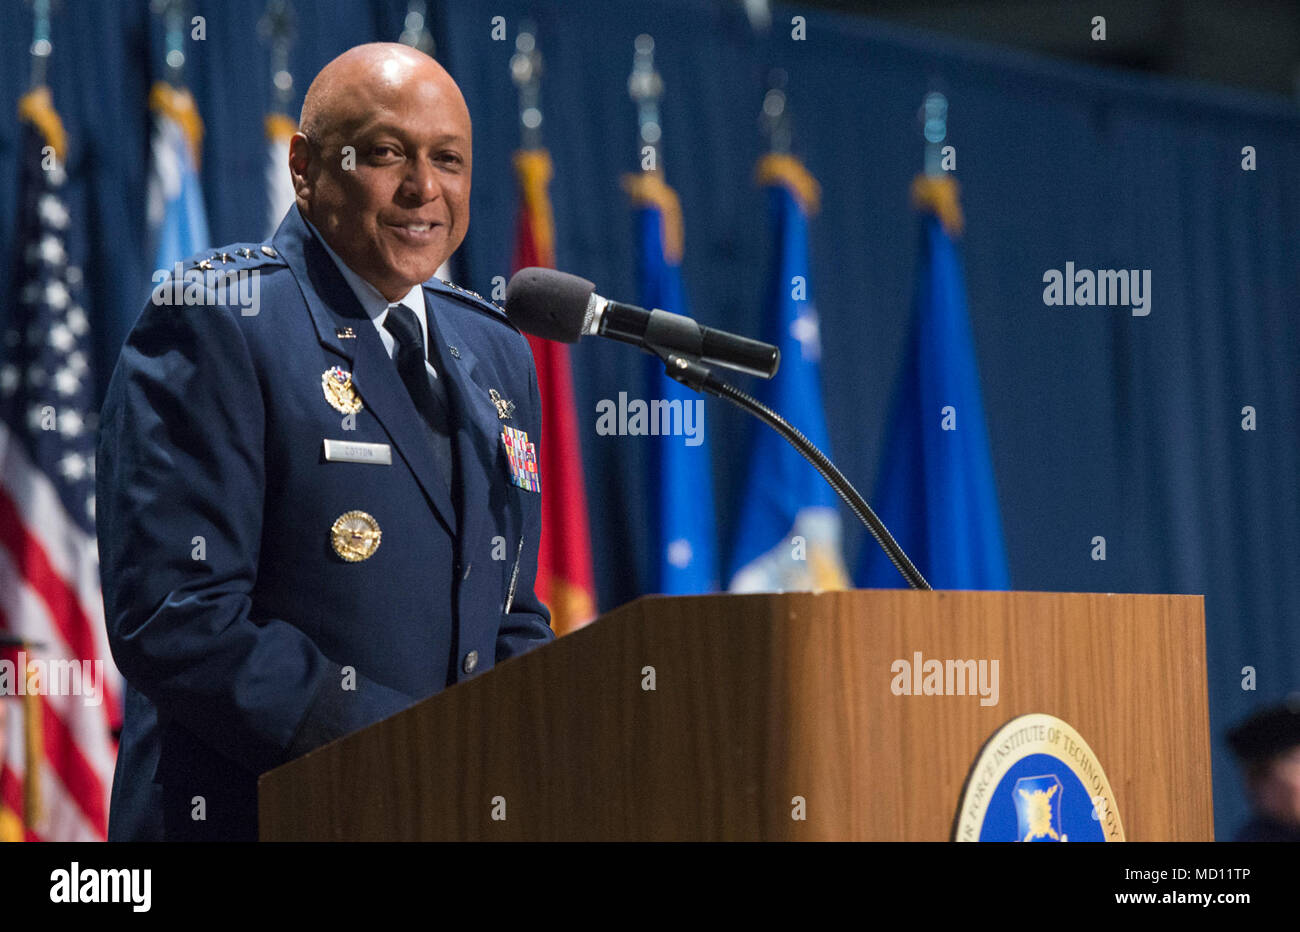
x=559 y=306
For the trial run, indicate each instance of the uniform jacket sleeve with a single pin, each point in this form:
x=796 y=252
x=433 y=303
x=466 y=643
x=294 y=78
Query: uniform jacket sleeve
x=179 y=490
x=528 y=622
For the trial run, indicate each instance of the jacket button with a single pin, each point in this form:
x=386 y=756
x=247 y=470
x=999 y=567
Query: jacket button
x=471 y=662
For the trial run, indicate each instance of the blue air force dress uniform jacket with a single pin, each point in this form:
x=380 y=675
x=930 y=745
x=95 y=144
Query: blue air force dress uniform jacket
x=278 y=573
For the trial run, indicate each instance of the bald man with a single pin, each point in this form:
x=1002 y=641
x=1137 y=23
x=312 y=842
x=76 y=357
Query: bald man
x=316 y=483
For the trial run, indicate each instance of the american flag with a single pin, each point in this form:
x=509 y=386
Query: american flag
x=49 y=569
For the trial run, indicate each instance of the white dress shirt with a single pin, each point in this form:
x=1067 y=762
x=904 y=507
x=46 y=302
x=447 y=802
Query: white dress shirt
x=376 y=305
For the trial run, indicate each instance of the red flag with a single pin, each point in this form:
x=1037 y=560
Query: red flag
x=565 y=581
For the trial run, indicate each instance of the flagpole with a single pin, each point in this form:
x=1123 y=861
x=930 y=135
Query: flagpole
x=925 y=479
x=41 y=45
x=775 y=116
x=565 y=574
x=682 y=488
x=934 y=128
x=645 y=87
x=526 y=72
x=415 y=28
x=276 y=28
x=32 y=729
x=75 y=758
x=173 y=15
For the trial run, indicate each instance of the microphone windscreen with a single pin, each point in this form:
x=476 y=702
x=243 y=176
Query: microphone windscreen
x=548 y=304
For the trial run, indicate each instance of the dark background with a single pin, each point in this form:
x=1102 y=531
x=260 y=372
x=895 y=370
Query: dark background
x=1101 y=423
x=1242 y=43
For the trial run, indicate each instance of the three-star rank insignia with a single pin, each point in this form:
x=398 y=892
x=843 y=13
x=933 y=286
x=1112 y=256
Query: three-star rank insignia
x=339 y=390
x=355 y=536
x=454 y=287
x=504 y=406
x=522 y=454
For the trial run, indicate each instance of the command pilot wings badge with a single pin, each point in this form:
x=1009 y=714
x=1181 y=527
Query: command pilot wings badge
x=505 y=407
x=339 y=391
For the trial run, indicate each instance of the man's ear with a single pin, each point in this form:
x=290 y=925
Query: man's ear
x=300 y=165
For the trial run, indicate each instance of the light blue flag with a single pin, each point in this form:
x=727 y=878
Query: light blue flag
x=788 y=536
x=682 y=528
x=178 y=220
x=936 y=492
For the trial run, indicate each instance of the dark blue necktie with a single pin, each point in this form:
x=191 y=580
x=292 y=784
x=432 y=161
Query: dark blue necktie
x=428 y=393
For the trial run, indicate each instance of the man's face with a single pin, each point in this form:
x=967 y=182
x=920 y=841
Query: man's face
x=395 y=204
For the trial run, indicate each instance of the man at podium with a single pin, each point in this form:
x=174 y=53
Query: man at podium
x=312 y=516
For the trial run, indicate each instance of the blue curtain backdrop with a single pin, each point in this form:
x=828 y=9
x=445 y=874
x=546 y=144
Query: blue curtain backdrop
x=1101 y=423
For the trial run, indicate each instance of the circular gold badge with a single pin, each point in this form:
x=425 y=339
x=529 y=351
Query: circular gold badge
x=339 y=390
x=355 y=536
x=1036 y=779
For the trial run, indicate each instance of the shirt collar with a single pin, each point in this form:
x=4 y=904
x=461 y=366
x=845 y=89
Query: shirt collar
x=372 y=302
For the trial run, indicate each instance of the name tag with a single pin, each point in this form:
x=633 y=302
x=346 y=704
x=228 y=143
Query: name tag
x=352 y=451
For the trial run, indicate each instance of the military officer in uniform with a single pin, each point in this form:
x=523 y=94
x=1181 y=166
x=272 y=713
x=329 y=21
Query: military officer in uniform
x=320 y=506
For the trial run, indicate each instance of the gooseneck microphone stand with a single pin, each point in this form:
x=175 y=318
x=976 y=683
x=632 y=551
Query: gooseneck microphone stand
x=696 y=376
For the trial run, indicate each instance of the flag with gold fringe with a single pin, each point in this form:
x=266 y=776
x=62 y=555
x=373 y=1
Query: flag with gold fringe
x=936 y=491
x=178 y=220
x=565 y=579
x=279 y=184
x=60 y=693
x=681 y=496
x=788 y=533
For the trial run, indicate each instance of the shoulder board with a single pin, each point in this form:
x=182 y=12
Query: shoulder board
x=235 y=257
x=472 y=298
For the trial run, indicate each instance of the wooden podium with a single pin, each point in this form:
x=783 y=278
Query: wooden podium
x=757 y=699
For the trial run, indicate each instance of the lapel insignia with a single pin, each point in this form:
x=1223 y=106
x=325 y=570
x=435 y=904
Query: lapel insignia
x=522 y=454
x=339 y=391
x=355 y=536
x=345 y=333
x=504 y=407
x=454 y=287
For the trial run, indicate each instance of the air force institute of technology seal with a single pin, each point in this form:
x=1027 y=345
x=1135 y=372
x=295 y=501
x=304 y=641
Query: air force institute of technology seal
x=1037 y=780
